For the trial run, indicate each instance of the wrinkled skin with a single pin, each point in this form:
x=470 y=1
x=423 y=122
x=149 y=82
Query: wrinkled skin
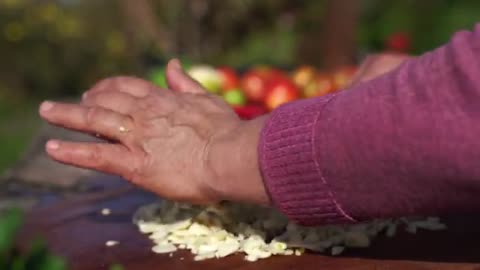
x=180 y=143
x=167 y=139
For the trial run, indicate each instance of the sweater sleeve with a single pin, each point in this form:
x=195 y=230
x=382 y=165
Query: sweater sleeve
x=404 y=144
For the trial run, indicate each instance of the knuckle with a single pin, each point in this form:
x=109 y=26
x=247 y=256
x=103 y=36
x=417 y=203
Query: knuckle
x=96 y=157
x=110 y=83
x=117 y=80
x=144 y=105
x=92 y=116
x=101 y=97
x=136 y=172
x=103 y=84
x=156 y=105
x=149 y=101
x=90 y=97
x=133 y=174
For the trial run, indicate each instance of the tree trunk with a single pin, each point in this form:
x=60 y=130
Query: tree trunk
x=143 y=27
x=340 y=32
x=332 y=42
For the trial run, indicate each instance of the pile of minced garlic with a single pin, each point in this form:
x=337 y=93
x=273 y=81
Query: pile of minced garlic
x=258 y=232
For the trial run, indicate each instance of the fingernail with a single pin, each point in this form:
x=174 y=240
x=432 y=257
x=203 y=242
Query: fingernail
x=46 y=106
x=53 y=145
x=84 y=96
x=176 y=64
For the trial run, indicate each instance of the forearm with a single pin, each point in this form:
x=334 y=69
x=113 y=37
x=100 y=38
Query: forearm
x=403 y=144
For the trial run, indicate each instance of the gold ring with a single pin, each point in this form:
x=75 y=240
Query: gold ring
x=123 y=129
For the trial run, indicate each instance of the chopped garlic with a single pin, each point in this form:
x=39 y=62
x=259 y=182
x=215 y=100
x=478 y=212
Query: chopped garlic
x=227 y=248
x=258 y=232
x=411 y=228
x=164 y=248
x=430 y=224
x=198 y=229
x=356 y=239
x=207 y=249
x=299 y=252
x=111 y=243
x=150 y=227
x=391 y=230
x=277 y=247
x=337 y=250
x=251 y=258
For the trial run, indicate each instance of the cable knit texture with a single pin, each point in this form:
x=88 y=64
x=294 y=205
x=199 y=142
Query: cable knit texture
x=404 y=144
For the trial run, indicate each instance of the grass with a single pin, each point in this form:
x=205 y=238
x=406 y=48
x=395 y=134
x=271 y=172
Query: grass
x=18 y=122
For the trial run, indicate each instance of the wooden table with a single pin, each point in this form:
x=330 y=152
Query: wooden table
x=76 y=230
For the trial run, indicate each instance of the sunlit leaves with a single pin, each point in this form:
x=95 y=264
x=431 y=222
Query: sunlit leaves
x=14 y=31
x=9 y=225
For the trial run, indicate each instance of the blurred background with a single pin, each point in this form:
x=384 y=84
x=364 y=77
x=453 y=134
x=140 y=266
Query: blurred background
x=58 y=48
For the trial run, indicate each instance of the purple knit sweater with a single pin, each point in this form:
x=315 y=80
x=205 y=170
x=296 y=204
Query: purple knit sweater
x=406 y=143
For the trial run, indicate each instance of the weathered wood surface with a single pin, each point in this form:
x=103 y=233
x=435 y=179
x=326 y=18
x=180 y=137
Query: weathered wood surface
x=75 y=229
x=36 y=177
x=36 y=168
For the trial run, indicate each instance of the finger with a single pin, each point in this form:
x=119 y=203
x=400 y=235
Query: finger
x=104 y=157
x=178 y=80
x=377 y=65
x=93 y=120
x=389 y=62
x=363 y=70
x=130 y=85
x=119 y=102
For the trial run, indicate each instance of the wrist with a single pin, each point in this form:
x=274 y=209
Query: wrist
x=235 y=162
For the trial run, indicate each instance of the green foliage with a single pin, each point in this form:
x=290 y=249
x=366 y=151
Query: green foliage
x=54 y=48
x=51 y=48
x=37 y=258
x=8 y=229
x=430 y=23
x=451 y=16
x=116 y=267
x=157 y=76
x=18 y=122
x=275 y=48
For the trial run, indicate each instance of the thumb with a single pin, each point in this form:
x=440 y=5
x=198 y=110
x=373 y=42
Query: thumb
x=178 y=80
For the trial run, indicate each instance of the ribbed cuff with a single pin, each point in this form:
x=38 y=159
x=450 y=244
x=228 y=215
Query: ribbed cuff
x=290 y=171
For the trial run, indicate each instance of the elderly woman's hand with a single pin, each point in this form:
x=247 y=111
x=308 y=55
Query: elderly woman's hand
x=180 y=143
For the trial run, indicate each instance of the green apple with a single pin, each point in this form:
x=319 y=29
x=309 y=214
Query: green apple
x=157 y=77
x=207 y=76
x=235 y=97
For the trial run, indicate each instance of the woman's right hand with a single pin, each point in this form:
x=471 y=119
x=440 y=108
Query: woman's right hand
x=376 y=65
